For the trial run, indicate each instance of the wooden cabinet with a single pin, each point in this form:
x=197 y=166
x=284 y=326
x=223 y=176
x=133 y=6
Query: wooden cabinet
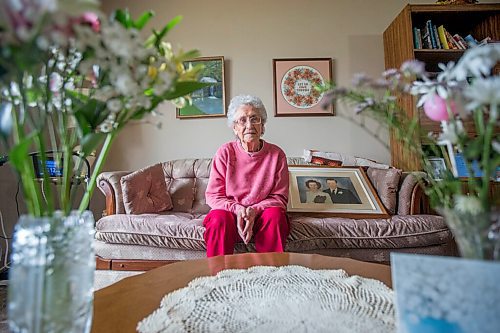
x=480 y=20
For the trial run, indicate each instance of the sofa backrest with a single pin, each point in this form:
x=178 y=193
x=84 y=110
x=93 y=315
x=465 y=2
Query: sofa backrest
x=187 y=181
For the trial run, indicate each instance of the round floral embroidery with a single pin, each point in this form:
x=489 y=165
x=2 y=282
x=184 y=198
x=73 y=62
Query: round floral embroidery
x=297 y=87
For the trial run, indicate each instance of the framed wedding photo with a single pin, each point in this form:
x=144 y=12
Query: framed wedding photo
x=294 y=82
x=438 y=167
x=209 y=101
x=341 y=191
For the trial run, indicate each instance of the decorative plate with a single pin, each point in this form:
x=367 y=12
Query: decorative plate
x=297 y=86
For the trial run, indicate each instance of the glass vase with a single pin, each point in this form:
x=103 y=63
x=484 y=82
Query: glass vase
x=477 y=235
x=52 y=276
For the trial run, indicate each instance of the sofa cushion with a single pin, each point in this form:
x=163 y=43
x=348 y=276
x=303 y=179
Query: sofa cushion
x=173 y=230
x=185 y=231
x=386 y=182
x=145 y=191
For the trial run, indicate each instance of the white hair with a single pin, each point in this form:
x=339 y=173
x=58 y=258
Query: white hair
x=240 y=100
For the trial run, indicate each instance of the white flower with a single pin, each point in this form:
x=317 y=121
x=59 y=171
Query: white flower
x=451 y=131
x=164 y=83
x=496 y=146
x=483 y=92
x=114 y=105
x=125 y=85
x=413 y=67
x=477 y=62
x=468 y=204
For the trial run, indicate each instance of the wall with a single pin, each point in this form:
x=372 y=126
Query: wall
x=249 y=34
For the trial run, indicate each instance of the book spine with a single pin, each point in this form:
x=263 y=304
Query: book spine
x=471 y=41
x=442 y=37
x=426 y=38
x=463 y=44
x=436 y=37
x=431 y=34
x=451 y=41
x=419 y=38
x=415 y=38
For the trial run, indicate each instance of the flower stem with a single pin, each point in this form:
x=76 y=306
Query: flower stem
x=97 y=169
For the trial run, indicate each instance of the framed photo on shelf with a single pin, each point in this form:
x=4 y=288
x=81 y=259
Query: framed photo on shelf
x=209 y=101
x=341 y=191
x=438 y=167
x=294 y=82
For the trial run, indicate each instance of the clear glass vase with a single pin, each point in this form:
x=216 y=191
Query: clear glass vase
x=52 y=276
x=477 y=235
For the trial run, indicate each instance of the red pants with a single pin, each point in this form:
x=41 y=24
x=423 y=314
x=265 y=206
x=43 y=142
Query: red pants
x=270 y=231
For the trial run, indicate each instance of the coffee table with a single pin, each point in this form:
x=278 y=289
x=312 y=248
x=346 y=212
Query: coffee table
x=119 y=307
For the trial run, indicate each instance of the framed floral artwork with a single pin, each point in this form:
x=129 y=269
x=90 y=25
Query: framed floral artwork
x=294 y=85
x=333 y=191
x=209 y=101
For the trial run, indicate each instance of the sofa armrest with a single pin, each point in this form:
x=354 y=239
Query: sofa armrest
x=411 y=197
x=109 y=184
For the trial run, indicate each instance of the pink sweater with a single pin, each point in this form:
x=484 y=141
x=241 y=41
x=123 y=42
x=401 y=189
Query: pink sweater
x=240 y=179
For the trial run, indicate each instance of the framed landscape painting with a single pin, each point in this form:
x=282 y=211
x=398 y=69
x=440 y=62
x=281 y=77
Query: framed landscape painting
x=294 y=86
x=339 y=191
x=209 y=101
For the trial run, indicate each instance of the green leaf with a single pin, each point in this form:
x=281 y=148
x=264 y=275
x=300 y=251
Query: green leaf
x=185 y=88
x=19 y=153
x=123 y=16
x=143 y=19
x=89 y=113
x=91 y=141
x=158 y=36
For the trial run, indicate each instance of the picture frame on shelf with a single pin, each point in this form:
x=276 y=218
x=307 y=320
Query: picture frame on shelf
x=209 y=101
x=312 y=190
x=438 y=167
x=294 y=82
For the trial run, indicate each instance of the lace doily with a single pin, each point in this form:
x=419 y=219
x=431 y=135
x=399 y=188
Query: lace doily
x=276 y=299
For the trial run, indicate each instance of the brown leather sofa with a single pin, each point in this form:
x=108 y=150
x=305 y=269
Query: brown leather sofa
x=144 y=227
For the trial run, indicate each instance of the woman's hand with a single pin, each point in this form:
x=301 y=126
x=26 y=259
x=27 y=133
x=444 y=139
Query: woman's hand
x=245 y=221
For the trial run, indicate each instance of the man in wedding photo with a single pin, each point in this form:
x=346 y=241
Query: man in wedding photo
x=339 y=194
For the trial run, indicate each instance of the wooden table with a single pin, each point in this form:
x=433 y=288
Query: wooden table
x=119 y=307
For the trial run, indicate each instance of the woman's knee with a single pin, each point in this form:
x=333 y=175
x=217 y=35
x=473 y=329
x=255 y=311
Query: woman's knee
x=274 y=215
x=219 y=219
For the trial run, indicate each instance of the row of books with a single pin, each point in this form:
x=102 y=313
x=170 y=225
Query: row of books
x=437 y=37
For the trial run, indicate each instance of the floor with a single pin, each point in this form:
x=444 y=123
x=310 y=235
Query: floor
x=102 y=279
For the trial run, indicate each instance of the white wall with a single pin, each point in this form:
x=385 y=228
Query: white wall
x=249 y=34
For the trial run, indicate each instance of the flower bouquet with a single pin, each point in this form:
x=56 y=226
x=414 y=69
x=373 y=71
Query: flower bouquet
x=468 y=89
x=70 y=80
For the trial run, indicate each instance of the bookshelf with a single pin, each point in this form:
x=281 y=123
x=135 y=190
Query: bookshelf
x=479 y=20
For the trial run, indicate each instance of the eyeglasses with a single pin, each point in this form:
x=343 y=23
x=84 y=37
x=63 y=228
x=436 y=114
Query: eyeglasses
x=254 y=120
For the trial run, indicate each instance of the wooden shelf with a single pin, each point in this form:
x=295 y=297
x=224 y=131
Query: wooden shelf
x=479 y=20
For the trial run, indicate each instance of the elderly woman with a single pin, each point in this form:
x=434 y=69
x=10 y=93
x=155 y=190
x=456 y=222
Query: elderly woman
x=248 y=185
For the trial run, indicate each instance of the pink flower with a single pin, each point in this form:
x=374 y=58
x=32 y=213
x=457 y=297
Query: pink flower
x=92 y=20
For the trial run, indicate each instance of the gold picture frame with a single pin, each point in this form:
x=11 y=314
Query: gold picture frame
x=210 y=101
x=355 y=197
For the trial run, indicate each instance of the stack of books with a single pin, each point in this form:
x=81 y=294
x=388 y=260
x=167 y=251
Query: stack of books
x=437 y=37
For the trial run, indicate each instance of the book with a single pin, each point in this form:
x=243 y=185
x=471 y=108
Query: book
x=428 y=24
x=451 y=41
x=463 y=44
x=442 y=37
x=485 y=41
x=426 y=38
x=417 y=43
x=471 y=41
x=436 y=37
